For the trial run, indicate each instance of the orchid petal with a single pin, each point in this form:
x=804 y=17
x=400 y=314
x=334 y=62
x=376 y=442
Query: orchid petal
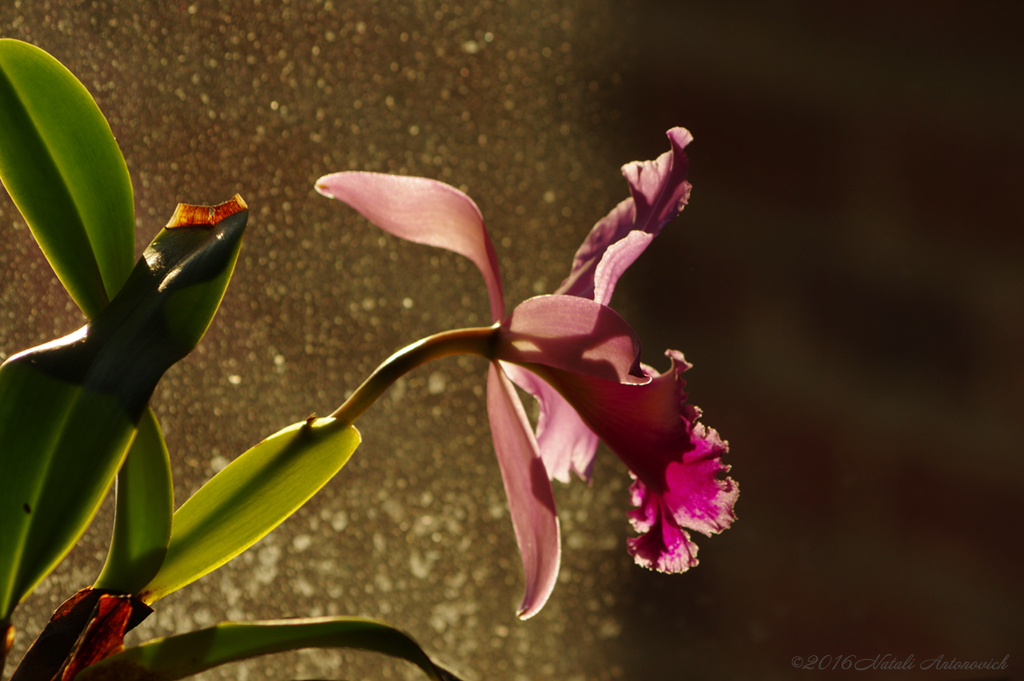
x=575 y=335
x=676 y=460
x=572 y=334
x=424 y=211
x=659 y=191
x=530 y=499
x=566 y=443
x=616 y=261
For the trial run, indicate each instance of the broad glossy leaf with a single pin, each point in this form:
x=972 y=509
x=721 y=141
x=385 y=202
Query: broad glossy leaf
x=142 y=521
x=177 y=657
x=60 y=447
x=69 y=408
x=62 y=167
x=254 y=494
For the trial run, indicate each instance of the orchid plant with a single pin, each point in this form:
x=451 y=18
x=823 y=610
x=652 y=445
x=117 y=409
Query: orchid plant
x=75 y=421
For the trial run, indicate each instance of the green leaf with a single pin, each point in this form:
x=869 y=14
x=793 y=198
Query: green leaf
x=60 y=447
x=179 y=656
x=142 y=521
x=254 y=494
x=62 y=167
x=69 y=409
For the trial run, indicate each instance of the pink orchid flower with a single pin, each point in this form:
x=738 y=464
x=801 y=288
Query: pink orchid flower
x=580 y=360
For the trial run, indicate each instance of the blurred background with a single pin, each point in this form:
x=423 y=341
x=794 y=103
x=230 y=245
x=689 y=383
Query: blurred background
x=847 y=281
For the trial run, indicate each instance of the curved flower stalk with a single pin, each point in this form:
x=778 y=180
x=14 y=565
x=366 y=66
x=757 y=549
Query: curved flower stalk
x=580 y=359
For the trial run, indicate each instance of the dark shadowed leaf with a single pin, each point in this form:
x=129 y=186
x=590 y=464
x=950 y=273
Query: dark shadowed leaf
x=69 y=409
x=180 y=656
x=142 y=521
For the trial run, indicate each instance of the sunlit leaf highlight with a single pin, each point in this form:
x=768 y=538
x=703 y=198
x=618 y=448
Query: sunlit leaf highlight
x=250 y=497
x=65 y=173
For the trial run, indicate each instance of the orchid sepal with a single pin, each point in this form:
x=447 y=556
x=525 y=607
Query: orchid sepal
x=530 y=498
x=424 y=211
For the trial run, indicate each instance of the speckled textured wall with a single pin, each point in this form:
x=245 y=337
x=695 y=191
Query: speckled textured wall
x=847 y=280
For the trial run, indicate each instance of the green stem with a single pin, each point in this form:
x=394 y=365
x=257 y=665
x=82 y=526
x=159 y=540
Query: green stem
x=474 y=341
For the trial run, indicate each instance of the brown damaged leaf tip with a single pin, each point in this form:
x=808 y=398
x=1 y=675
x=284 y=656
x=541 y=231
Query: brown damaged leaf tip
x=103 y=635
x=186 y=215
